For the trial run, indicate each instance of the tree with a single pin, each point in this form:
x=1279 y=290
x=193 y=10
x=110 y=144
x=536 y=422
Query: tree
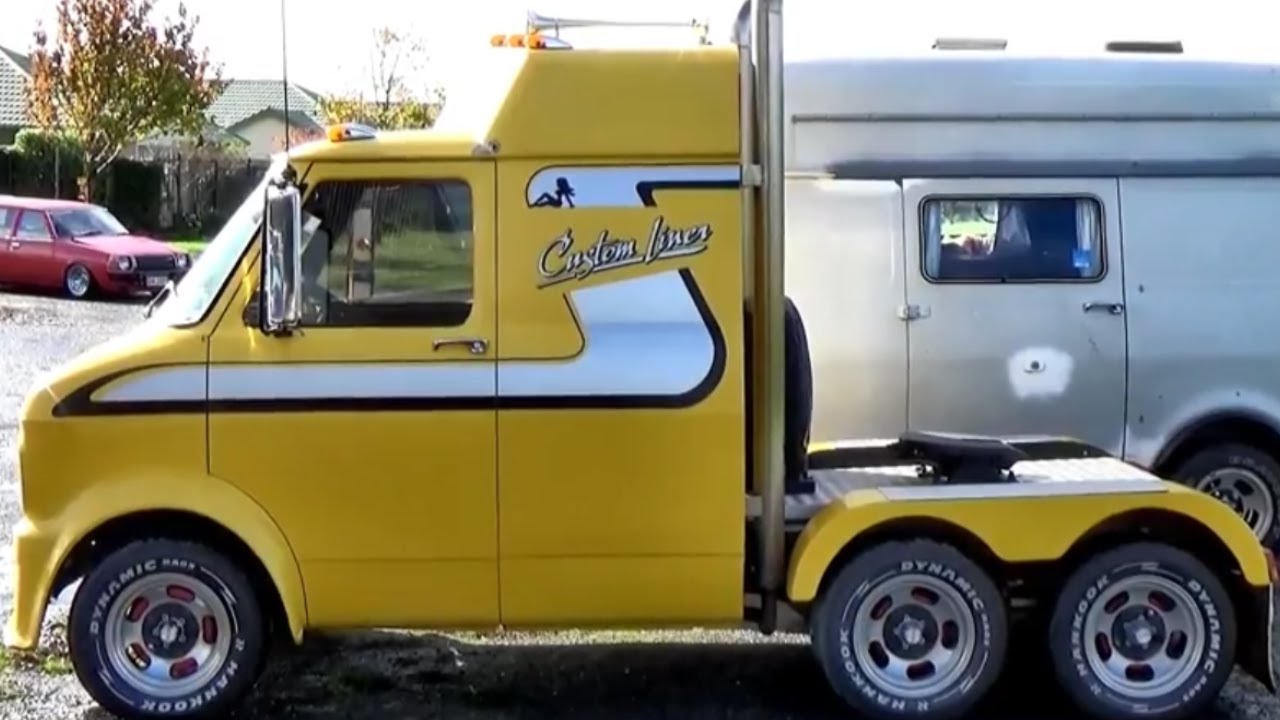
x=113 y=77
x=297 y=136
x=397 y=58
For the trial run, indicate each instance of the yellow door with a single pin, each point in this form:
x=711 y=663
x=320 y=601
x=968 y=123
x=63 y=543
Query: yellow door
x=370 y=434
x=620 y=382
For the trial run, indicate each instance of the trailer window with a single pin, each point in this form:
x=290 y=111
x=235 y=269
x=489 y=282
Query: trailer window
x=1015 y=239
x=388 y=253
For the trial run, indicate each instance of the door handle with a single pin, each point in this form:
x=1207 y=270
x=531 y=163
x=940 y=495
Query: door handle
x=1111 y=308
x=477 y=346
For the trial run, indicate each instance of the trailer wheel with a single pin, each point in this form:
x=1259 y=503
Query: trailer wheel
x=1245 y=478
x=1143 y=630
x=170 y=629
x=911 y=630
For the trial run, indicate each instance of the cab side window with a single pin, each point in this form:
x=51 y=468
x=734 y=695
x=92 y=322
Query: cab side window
x=31 y=226
x=392 y=253
x=8 y=217
x=1012 y=239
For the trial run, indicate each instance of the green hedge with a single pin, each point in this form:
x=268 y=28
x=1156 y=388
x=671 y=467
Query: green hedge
x=132 y=191
x=46 y=164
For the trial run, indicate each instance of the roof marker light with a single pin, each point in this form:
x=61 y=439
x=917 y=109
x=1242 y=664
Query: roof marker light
x=350 y=131
x=531 y=40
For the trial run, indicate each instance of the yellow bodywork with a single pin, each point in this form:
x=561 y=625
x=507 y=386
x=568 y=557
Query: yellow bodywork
x=617 y=499
x=459 y=517
x=1015 y=530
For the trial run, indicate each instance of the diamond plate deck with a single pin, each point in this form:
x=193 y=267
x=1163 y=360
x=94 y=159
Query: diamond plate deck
x=1036 y=478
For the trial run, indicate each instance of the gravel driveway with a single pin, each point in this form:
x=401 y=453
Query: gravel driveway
x=387 y=675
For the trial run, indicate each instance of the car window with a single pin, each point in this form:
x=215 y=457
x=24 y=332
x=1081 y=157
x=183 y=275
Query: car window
x=389 y=253
x=1018 y=239
x=7 y=218
x=85 y=222
x=31 y=226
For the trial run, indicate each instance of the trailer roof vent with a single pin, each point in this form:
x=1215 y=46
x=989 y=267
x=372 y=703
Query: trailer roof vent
x=1171 y=47
x=970 y=44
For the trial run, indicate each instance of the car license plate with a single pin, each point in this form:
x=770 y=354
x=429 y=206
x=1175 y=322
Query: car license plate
x=155 y=281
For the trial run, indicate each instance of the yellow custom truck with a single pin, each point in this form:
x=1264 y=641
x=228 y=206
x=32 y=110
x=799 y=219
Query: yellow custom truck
x=536 y=368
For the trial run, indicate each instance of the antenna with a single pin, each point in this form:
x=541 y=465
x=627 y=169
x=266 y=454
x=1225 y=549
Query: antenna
x=284 y=69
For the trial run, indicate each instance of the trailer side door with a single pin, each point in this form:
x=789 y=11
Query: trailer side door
x=1016 y=303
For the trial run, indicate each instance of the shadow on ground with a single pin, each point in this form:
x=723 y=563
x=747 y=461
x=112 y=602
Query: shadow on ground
x=402 y=675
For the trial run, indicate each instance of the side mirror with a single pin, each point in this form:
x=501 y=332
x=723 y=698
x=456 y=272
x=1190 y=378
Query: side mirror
x=281 y=282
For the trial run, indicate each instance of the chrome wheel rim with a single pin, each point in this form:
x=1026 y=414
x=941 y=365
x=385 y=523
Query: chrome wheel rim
x=913 y=636
x=1143 y=636
x=1245 y=492
x=78 y=281
x=168 y=635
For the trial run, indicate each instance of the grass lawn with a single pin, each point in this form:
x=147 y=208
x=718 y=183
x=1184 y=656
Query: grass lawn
x=192 y=245
x=968 y=227
x=406 y=262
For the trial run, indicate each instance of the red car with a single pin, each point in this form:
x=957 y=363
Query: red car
x=80 y=248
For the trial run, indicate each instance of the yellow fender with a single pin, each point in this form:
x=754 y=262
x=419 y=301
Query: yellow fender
x=43 y=544
x=1015 y=529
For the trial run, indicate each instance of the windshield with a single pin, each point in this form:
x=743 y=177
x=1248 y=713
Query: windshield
x=191 y=298
x=83 y=222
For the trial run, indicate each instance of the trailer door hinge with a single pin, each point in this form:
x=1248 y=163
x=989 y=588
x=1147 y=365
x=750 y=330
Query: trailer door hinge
x=910 y=312
x=752 y=175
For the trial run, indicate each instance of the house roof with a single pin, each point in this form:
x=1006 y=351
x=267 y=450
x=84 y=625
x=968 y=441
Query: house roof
x=22 y=61
x=242 y=99
x=15 y=71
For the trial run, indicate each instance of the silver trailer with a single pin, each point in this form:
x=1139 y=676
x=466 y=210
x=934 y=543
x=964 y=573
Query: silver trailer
x=983 y=242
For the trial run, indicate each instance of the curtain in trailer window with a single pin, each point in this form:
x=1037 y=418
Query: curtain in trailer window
x=933 y=238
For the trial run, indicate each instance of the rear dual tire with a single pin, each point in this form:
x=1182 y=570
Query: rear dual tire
x=1143 y=630
x=911 y=630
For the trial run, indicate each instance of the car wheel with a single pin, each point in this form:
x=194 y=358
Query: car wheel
x=1243 y=477
x=162 y=628
x=911 y=630
x=1143 y=630
x=78 y=281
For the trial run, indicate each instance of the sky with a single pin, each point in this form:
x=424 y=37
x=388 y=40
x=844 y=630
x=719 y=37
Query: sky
x=329 y=41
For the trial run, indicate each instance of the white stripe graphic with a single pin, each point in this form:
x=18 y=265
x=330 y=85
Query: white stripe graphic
x=176 y=384
x=644 y=336
x=618 y=186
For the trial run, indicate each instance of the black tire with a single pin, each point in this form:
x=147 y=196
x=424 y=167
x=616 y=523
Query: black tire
x=129 y=569
x=1262 y=468
x=859 y=585
x=1101 y=581
x=74 y=288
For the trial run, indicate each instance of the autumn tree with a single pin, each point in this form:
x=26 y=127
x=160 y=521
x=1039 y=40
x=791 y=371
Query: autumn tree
x=112 y=76
x=392 y=98
x=296 y=136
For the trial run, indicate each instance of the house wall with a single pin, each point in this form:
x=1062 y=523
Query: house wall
x=265 y=135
